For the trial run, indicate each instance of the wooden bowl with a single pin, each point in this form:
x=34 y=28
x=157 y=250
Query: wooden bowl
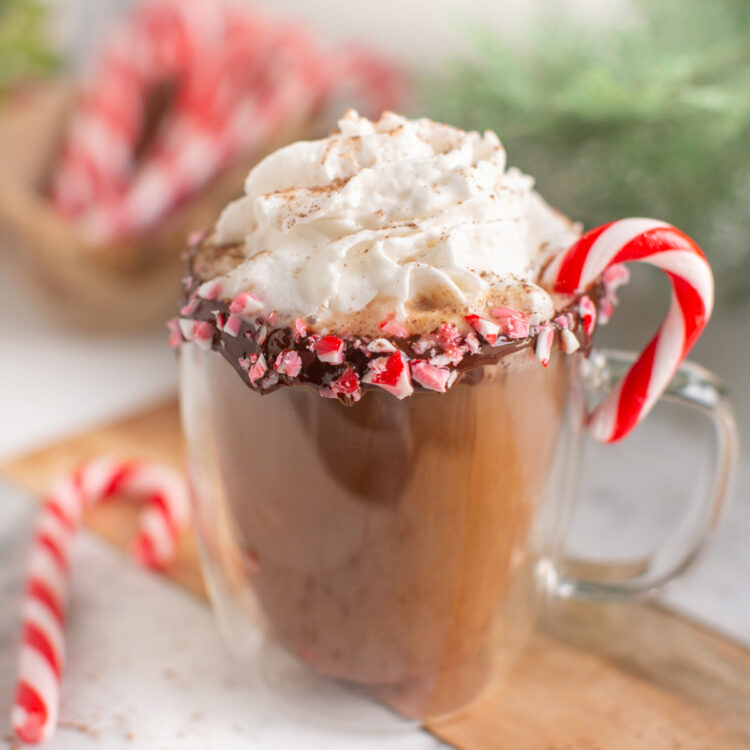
x=114 y=286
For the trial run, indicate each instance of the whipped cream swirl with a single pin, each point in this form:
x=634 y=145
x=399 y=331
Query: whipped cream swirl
x=409 y=219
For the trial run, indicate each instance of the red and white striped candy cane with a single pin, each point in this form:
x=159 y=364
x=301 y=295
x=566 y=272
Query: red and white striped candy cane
x=661 y=245
x=35 y=711
x=239 y=77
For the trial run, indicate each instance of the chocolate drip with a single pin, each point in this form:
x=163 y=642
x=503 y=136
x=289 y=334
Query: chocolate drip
x=257 y=338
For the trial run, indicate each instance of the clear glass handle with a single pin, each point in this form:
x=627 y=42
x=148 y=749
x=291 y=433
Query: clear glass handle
x=696 y=388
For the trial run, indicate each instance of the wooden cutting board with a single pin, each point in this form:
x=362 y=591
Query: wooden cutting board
x=594 y=677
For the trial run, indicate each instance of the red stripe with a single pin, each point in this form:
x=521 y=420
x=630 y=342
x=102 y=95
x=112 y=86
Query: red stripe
x=654 y=241
x=145 y=553
x=693 y=308
x=158 y=501
x=38 y=589
x=659 y=239
x=118 y=100
x=571 y=268
x=83 y=167
x=50 y=544
x=77 y=477
x=634 y=392
x=119 y=477
x=37 y=639
x=51 y=506
x=36 y=713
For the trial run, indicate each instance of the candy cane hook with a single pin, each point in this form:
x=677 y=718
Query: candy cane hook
x=661 y=245
x=35 y=711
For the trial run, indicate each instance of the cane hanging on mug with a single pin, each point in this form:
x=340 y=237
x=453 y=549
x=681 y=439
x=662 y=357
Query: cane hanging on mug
x=658 y=244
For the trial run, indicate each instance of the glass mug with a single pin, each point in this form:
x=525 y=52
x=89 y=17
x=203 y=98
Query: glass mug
x=395 y=553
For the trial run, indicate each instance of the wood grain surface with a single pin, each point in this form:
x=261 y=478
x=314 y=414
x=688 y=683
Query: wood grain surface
x=594 y=676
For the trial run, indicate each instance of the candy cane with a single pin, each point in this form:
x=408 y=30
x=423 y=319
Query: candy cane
x=239 y=76
x=661 y=245
x=35 y=711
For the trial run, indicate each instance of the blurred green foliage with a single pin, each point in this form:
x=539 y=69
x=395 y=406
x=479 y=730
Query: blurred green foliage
x=24 y=48
x=650 y=117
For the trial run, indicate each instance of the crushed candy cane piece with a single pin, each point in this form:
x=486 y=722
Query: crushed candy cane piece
x=615 y=277
x=544 y=339
x=288 y=363
x=503 y=311
x=244 y=363
x=570 y=342
x=271 y=379
x=330 y=349
x=272 y=318
x=233 y=325
x=175 y=337
x=587 y=311
x=488 y=330
x=299 y=329
x=429 y=376
x=448 y=336
x=606 y=310
x=455 y=354
x=347 y=385
x=472 y=342
x=391 y=374
x=189 y=307
x=245 y=304
x=514 y=324
x=423 y=344
x=516 y=328
x=258 y=369
x=381 y=346
x=186 y=328
x=203 y=334
x=210 y=289
x=392 y=328
x=197 y=236
x=440 y=360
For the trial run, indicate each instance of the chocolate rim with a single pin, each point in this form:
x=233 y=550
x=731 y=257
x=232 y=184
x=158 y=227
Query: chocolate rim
x=268 y=356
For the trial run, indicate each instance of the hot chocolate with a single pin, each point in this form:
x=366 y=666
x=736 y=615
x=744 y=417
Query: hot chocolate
x=380 y=289
x=386 y=543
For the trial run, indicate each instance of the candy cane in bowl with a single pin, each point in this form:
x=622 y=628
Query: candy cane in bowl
x=35 y=711
x=658 y=244
x=228 y=79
